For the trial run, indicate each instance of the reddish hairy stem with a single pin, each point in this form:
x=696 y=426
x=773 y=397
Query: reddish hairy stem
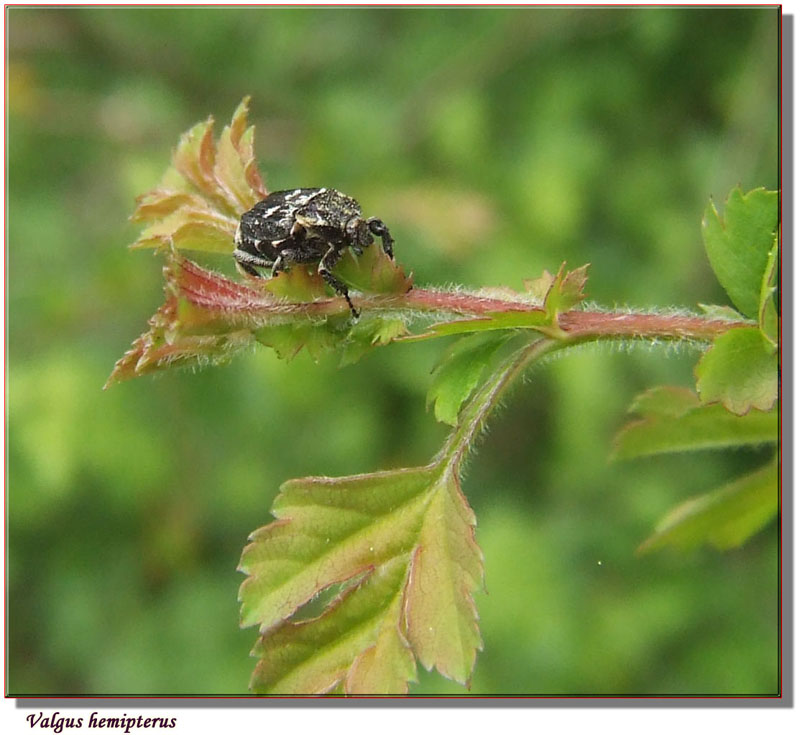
x=239 y=303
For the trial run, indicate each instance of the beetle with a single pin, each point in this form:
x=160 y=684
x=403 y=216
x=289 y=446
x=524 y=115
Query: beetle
x=306 y=226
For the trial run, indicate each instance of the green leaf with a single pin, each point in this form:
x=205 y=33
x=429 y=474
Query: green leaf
x=724 y=313
x=724 y=518
x=675 y=421
x=738 y=247
x=446 y=569
x=533 y=319
x=403 y=544
x=329 y=530
x=373 y=272
x=387 y=666
x=767 y=313
x=560 y=292
x=289 y=339
x=332 y=530
x=665 y=401
x=740 y=369
x=369 y=332
x=355 y=642
x=457 y=375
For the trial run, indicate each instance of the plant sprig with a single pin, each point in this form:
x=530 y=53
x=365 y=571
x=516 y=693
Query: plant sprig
x=393 y=554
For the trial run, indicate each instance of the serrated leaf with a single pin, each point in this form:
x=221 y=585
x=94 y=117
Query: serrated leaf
x=194 y=158
x=561 y=292
x=199 y=200
x=373 y=271
x=675 y=421
x=368 y=333
x=159 y=203
x=724 y=518
x=385 y=668
x=330 y=530
x=740 y=370
x=446 y=569
x=187 y=229
x=458 y=374
x=234 y=165
x=206 y=317
x=738 y=246
x=297 y=285
x=570 y=290
x=338 y=647
x=541 y=286
x=289 y=339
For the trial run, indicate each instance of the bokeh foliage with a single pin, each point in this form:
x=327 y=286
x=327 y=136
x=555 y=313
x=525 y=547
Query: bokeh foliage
x=495 y=143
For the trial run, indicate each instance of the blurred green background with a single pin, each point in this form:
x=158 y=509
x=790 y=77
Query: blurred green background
x=495 y=143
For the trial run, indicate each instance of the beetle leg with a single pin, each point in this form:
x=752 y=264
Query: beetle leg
x=248 y=262
x=279 y=265
x=376 y=227
x=289 y=256
x=325 y=266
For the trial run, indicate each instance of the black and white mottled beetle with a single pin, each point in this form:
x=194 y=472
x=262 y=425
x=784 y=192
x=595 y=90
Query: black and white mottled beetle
x=306 y=226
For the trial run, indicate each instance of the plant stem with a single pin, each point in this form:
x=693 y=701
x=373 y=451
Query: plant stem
x=475 y=412
x=241 y=306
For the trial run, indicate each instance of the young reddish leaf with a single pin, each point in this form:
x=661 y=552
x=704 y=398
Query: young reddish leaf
x=738 y=246
x=675 y=421
x=458 y=373
x=234 y=167
x=209 y=185
x=724 y=518
x=205 y=318
x=159 y=203
x=541 y=286
x=190 y=229
x=194 y=159
x=740 y=369
x=197 y=206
